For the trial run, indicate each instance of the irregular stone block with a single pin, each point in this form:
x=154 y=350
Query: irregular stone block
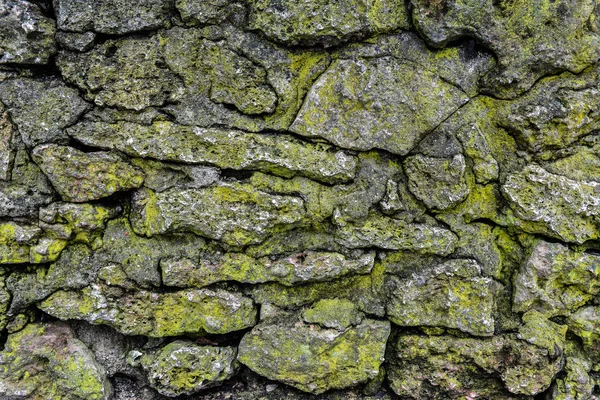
x=7 y=150
x=28 y=189
x=55 y=364
x=26 y=35
x=324 y=22
x=555 y=280
x=42 y=109
x=115 y=17
x=141 y=312
x=380 y=103
x=80 y=177
x=392 y=234
x=232 y=212
x=208 y=11
x=184 y=368
x=446 y=367
x=76 y=41
x=313 y=359
x=530 y=39
x=21 y=244
x=278 y=154
x=440 y=183
x=124 y=73
x=451 y=295
x=585 y=323
x=297 y=268
x=333 y=313
x=557 y=206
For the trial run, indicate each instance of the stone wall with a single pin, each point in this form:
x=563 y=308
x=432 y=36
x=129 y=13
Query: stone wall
x=298 y=199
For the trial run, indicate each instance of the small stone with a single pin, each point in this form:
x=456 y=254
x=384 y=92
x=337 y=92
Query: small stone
x=313 y=359
x=537 y=329
x=7 y=150
x=380 y=103
x=54 y=363
x=585 y=323
x=333 y=313
x=80 y=177
x=207 y=11
x=193 y=311
x=115 y=17
x=450 y=295
x=557 y=206
x=440 y=183
x=278 y=154
x=235 y=213
x=555 y=280
x=76 y=41
x=42 y=109
x=26 y=35
x=184 y=368
x=325 y=23
x=297 y=268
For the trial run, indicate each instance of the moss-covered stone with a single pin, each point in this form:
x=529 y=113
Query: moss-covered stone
x=184 y=368
x=294 y=269
x=47 y=361
x=379 y=103
x=530 y=39
x=325 y=23
x=333 y=313
x=585 y=323
x=26 y=35
x=314 y=359
x=439 y=183
x=22 y=243
x=193 y=311
x=232 y=212
x=392 y=234
x=75 y=41
x=80 y=177
x=126 y=73
x=196 y=12
x=450 y=295
x=278 y=154
x=553 y=204
x=112 y=16
x=41 y=109
x=555 y=280
x=446 y=367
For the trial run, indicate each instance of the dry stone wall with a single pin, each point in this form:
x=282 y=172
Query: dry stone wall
x=298 y=199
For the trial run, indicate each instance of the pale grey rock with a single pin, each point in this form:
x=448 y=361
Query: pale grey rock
x=76 y=41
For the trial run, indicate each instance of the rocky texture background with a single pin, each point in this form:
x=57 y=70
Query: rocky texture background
x=283 y=199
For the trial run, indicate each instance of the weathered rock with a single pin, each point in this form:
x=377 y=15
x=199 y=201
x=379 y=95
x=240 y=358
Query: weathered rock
x=26 y=35
x=378 y=103
x=27 y=191
x=392 y=234
x=554 y=205
x=314 y=359
x=115 y=17
x=446 y=367
x=125 y=73
x=530 y=39
x=440 y=183
x=585 y=323
x=193 y=311
x=232 y=212
x=80 y=177
x=4 y=300
x=555 y=280
x=333 y=313
x=278 y=154
x=76 y=41
x=7 y=148
x=576 y=383
x=21 y=244
x=582 y=165
x=42 y=109
x=184 y=368
x=450 y=295
x=47 y=361
x=297 y=268
x=196 y=12
x=325 y=23
x=161 y=176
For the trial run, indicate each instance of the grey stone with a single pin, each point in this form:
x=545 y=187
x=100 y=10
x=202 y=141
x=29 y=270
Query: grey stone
x=7 y=147
x=41 y=109
x=379 y=103
x=76 y=41
x=80 y=177
x=26 y=35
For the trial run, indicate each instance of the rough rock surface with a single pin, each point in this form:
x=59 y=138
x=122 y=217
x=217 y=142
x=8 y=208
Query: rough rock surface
x=311 y=199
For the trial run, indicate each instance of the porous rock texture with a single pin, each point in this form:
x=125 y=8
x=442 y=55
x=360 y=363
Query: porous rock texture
x=300 y=199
